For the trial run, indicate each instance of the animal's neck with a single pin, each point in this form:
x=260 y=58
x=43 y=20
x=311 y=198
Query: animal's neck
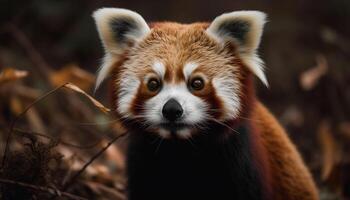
x=218 y=161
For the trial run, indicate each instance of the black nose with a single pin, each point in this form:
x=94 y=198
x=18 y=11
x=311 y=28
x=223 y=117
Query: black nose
x=172 y=110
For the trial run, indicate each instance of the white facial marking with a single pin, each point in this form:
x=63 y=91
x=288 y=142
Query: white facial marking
x=189 y=68
x=164 y=133
x=194 y=107
x=227 y=89
x=128 y=89
x=184 y=134
x=104 y=70
x=159 y=68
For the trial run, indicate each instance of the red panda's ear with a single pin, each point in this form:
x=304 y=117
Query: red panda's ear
x=244 y=29
x=118 y=29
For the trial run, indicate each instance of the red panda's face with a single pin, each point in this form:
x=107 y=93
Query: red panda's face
x=175 y=79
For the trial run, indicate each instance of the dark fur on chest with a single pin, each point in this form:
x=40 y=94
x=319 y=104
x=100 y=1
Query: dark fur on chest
x=213 y=165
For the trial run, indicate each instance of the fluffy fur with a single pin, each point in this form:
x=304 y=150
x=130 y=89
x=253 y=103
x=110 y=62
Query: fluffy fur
x=118 y=28
x=245 y=29
x=225 y=144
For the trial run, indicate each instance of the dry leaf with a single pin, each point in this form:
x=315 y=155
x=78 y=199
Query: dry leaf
x=35 y=121
x=114 y=154
x=101 y=174
x=310 y=78
x=16 y=105
x=10 y=74
x=74 y=74
x=329 y=35
x=292 y=116
x=107 y=192
x=94 y=101
x=330 y=149
x=28 y=93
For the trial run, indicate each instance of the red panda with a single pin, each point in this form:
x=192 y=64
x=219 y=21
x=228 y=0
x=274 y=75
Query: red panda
x=185 y=93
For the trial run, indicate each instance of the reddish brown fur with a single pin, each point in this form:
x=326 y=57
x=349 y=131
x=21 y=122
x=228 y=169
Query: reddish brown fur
x=259 y=152
x=290 y=178
x=174 y=45
x=284 y=173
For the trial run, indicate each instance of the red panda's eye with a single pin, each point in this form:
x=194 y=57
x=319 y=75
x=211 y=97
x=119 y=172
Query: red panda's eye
x=197 y=84
x=153 y=85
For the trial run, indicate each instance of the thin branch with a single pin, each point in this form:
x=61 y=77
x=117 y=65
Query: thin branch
x=93 y=158
x=66 y=85
x=51 y=191
x=13 y=123
x=20 y=131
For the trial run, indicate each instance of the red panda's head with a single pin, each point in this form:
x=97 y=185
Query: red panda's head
x=174 y=79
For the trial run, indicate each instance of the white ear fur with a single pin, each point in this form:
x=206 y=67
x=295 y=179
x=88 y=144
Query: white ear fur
x=244 y=28
x=117 y=28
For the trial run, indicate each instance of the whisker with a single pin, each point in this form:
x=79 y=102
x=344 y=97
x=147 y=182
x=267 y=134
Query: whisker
x=158 y=147
x=155 y=140
x=221 y=123
x=201 y=126
x=218 y=110
x=189 y=139
x=253 y=120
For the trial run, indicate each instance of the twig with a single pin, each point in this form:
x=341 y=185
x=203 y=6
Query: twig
x=13 y=123
x=93 y=158
x=20 y=131
x=43 y=189
x=66 y=85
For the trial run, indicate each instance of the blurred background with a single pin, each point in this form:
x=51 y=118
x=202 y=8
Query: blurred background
x=45 y=43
